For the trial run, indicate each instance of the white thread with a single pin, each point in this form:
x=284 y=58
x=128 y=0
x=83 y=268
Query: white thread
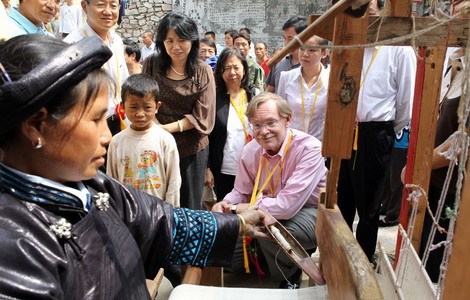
x=278 y=235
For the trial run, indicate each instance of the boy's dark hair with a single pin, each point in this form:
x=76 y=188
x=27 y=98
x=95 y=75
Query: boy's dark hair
x=298 y=22
x=242 y=35
x=132 y=47
x=139 y=85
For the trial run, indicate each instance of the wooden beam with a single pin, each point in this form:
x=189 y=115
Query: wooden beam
x=210 y=276
x=458 y=274
x=335 y=10
x=192 y=275
x=393 y=27
x=346 y=268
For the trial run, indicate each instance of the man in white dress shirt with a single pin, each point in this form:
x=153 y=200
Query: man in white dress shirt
x=384 y=108
x=149 y=45
x=102 y=15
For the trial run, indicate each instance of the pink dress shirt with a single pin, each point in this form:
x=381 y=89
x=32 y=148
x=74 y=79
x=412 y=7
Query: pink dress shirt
x=302 y=176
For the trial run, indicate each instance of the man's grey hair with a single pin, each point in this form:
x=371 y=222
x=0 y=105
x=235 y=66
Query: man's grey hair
x=282 y=106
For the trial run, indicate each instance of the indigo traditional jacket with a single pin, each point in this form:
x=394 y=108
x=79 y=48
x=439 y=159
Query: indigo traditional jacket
x=51 y=248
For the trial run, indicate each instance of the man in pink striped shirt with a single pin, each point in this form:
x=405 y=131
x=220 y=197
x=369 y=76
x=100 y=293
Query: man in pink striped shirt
x=281 y=172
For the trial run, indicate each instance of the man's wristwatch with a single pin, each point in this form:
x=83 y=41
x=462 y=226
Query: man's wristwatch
x=233 y=208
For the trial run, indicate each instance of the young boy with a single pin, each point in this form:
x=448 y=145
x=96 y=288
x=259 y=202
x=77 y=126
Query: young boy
x=144 y=155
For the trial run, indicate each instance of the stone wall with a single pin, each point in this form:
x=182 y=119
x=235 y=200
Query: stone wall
x=141 y=16
x=263 y=17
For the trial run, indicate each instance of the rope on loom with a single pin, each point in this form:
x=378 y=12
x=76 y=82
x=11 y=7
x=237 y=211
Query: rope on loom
x=450 y=154
x=395 y=40
x=413 y=197
x=280 y=270
x=463 y=114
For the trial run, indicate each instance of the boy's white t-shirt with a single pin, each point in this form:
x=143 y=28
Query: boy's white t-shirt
x=146 y=160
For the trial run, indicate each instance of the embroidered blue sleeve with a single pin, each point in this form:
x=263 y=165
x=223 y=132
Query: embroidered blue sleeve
x=193 y=237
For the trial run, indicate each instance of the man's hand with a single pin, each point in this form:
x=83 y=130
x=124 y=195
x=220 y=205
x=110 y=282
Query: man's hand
x=225 y=206
x=222 y=207
x=256 y=221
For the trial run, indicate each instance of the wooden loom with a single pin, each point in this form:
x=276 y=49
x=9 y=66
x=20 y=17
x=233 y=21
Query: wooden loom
x=344 y=265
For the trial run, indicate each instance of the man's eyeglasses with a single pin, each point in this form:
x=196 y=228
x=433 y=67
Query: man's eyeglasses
x=269 y=125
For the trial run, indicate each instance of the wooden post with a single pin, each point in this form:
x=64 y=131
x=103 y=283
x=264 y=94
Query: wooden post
x=344 y=84
x=423 y=132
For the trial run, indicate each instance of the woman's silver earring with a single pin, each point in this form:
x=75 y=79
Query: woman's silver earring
x=39 y=144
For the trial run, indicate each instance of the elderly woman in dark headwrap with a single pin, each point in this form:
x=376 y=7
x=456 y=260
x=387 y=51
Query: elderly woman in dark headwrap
x=67 y=230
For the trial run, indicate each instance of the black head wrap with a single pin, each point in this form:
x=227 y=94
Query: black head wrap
x=34 y=90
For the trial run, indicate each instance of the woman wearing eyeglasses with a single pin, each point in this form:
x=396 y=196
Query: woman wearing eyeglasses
x=231 y=131
x=187 y=93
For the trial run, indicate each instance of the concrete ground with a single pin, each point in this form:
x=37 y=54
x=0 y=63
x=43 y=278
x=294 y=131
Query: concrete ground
x=387 y=238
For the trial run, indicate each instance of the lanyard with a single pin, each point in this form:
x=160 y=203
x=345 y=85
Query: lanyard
x=117 y=75
x=257 y=193
x=241 y=109
x=317 y=91
x=374 y=56
x=273 y=186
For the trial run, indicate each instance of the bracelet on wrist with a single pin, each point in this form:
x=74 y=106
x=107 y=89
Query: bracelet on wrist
x=180 y=125
x=243 y=224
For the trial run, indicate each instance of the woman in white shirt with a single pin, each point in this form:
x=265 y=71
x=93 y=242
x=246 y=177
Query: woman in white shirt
x=231 y=131
x=305 y=88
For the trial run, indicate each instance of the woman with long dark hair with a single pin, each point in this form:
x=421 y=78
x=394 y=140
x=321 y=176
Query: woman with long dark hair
x=187 y=93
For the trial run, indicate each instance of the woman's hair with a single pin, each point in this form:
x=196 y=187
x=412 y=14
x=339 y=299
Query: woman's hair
x=219 y=69
x=19 y=57
x=186 y=29
x=323 y=42
x=282 y=106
